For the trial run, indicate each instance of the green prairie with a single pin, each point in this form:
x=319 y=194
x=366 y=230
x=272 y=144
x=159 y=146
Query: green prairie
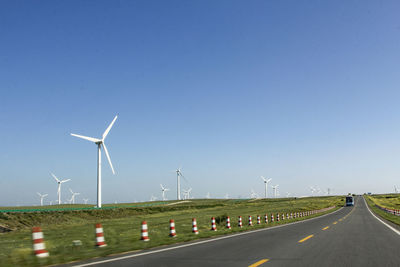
x=391 y=201
x=121 y=224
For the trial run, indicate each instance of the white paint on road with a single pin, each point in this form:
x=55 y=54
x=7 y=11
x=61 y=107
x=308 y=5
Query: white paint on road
x=390 y=227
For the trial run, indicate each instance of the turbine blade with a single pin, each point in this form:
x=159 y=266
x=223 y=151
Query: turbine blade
x=39 y=194
x=109 y=128
x=64 y=181
x=45 y=195
x=108 y=157
x=70 y=190
x=91 y=139
x=55 y=178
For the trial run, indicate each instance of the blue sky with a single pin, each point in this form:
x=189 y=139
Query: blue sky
x=304 y=92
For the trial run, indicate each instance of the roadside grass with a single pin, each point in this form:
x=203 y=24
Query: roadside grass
x=389 y=201
x=122 y=226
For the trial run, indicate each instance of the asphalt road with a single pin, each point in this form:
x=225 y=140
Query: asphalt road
x=348 y=237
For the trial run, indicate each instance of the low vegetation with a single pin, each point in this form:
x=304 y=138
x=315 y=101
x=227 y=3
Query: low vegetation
x=391 y=201
x=121 y=224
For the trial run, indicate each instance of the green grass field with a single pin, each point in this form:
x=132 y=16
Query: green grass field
x=391 y=201
x=121 y=224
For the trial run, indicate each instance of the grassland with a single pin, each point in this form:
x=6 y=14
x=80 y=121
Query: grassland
x=391 y=201
x=122 y=223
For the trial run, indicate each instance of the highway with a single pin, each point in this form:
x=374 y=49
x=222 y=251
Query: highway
x=351 y=236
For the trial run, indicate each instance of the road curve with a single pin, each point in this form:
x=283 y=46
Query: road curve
x=348 y=237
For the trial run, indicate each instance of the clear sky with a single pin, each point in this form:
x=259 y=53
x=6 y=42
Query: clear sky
x=304 y=92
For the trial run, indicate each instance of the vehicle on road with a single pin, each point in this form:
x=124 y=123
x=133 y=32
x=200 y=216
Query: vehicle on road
x=349 y=201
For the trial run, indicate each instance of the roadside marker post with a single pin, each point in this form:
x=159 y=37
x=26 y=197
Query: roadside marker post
x=145 y=234
x=172 y=232
x=228 y=223
x=213 y=226
x=250 y=221
x=100 y=242
x=240 y=224
x=194 y=227
x=266 y=218
x=38 y=243
x=258 y=219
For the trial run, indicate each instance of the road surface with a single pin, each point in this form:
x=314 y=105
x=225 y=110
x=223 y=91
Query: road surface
x=351 y=236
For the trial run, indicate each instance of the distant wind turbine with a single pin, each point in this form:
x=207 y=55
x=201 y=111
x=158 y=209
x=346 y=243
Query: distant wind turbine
x=163 y=190
x=396 y=190
x=266 y=181
x=253 y=194
x=59 y=187
x=100 y=143
x=275 y=187
x=178 y=182
x=85 y=200
x=42 y=197
x=208 y=195
x=186 y=193
x=72 y=200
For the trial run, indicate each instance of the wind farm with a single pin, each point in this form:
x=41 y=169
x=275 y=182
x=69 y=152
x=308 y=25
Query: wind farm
x=201 y=133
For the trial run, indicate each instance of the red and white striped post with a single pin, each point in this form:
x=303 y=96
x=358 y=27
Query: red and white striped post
x=100 y=242
x=194 y=227
x=283 y=216
x=272 y=217
x=258 y=219
x=250 y=221
x=172 y=232
x=38 y=243
x=240 y=224
x=213 y=226
x=145 y=234
x=277 y=217
x=228 y=223
x=291 y=215
x=266 y=218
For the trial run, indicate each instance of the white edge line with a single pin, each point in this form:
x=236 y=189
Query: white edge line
x=202 y=242
x=390 y=227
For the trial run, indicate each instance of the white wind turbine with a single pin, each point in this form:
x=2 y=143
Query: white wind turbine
x=99 y=143
x=42 y=197
x=253 y=194
x=59 y=187
x=72 y=200
x=226 y=196
x=275 y=187
x=396 y=191
x=153 y=198
x=178 y=182
x=186 y=193
x=85 y=200
x=266 y=181
x=208 y=195
x=163 y=190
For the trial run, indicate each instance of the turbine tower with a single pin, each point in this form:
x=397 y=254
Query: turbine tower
x=42 y=197
x=73 y=196
x=275 y=187
x=100 y=143
x=163 y=190
x=178 y=181
x=59 y=187
x=266 y=181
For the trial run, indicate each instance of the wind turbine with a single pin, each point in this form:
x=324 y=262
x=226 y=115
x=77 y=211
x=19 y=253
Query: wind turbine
x=253 y=194
x=42 y=197
x=72 y=200
x=186 y=193
x=288 y=194
x=396 y=190
x=59 y=187
x=153 y=198
x=178 y=176
x=85 y=200
x=208 y=195
x=266 y=181
x=99 y=143
x=163 y=190
x=275 y=187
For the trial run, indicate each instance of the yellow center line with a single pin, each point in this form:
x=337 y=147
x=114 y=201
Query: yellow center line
x=258 y=263
x=325 y=228
x=304 y=239
x=334 y=222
